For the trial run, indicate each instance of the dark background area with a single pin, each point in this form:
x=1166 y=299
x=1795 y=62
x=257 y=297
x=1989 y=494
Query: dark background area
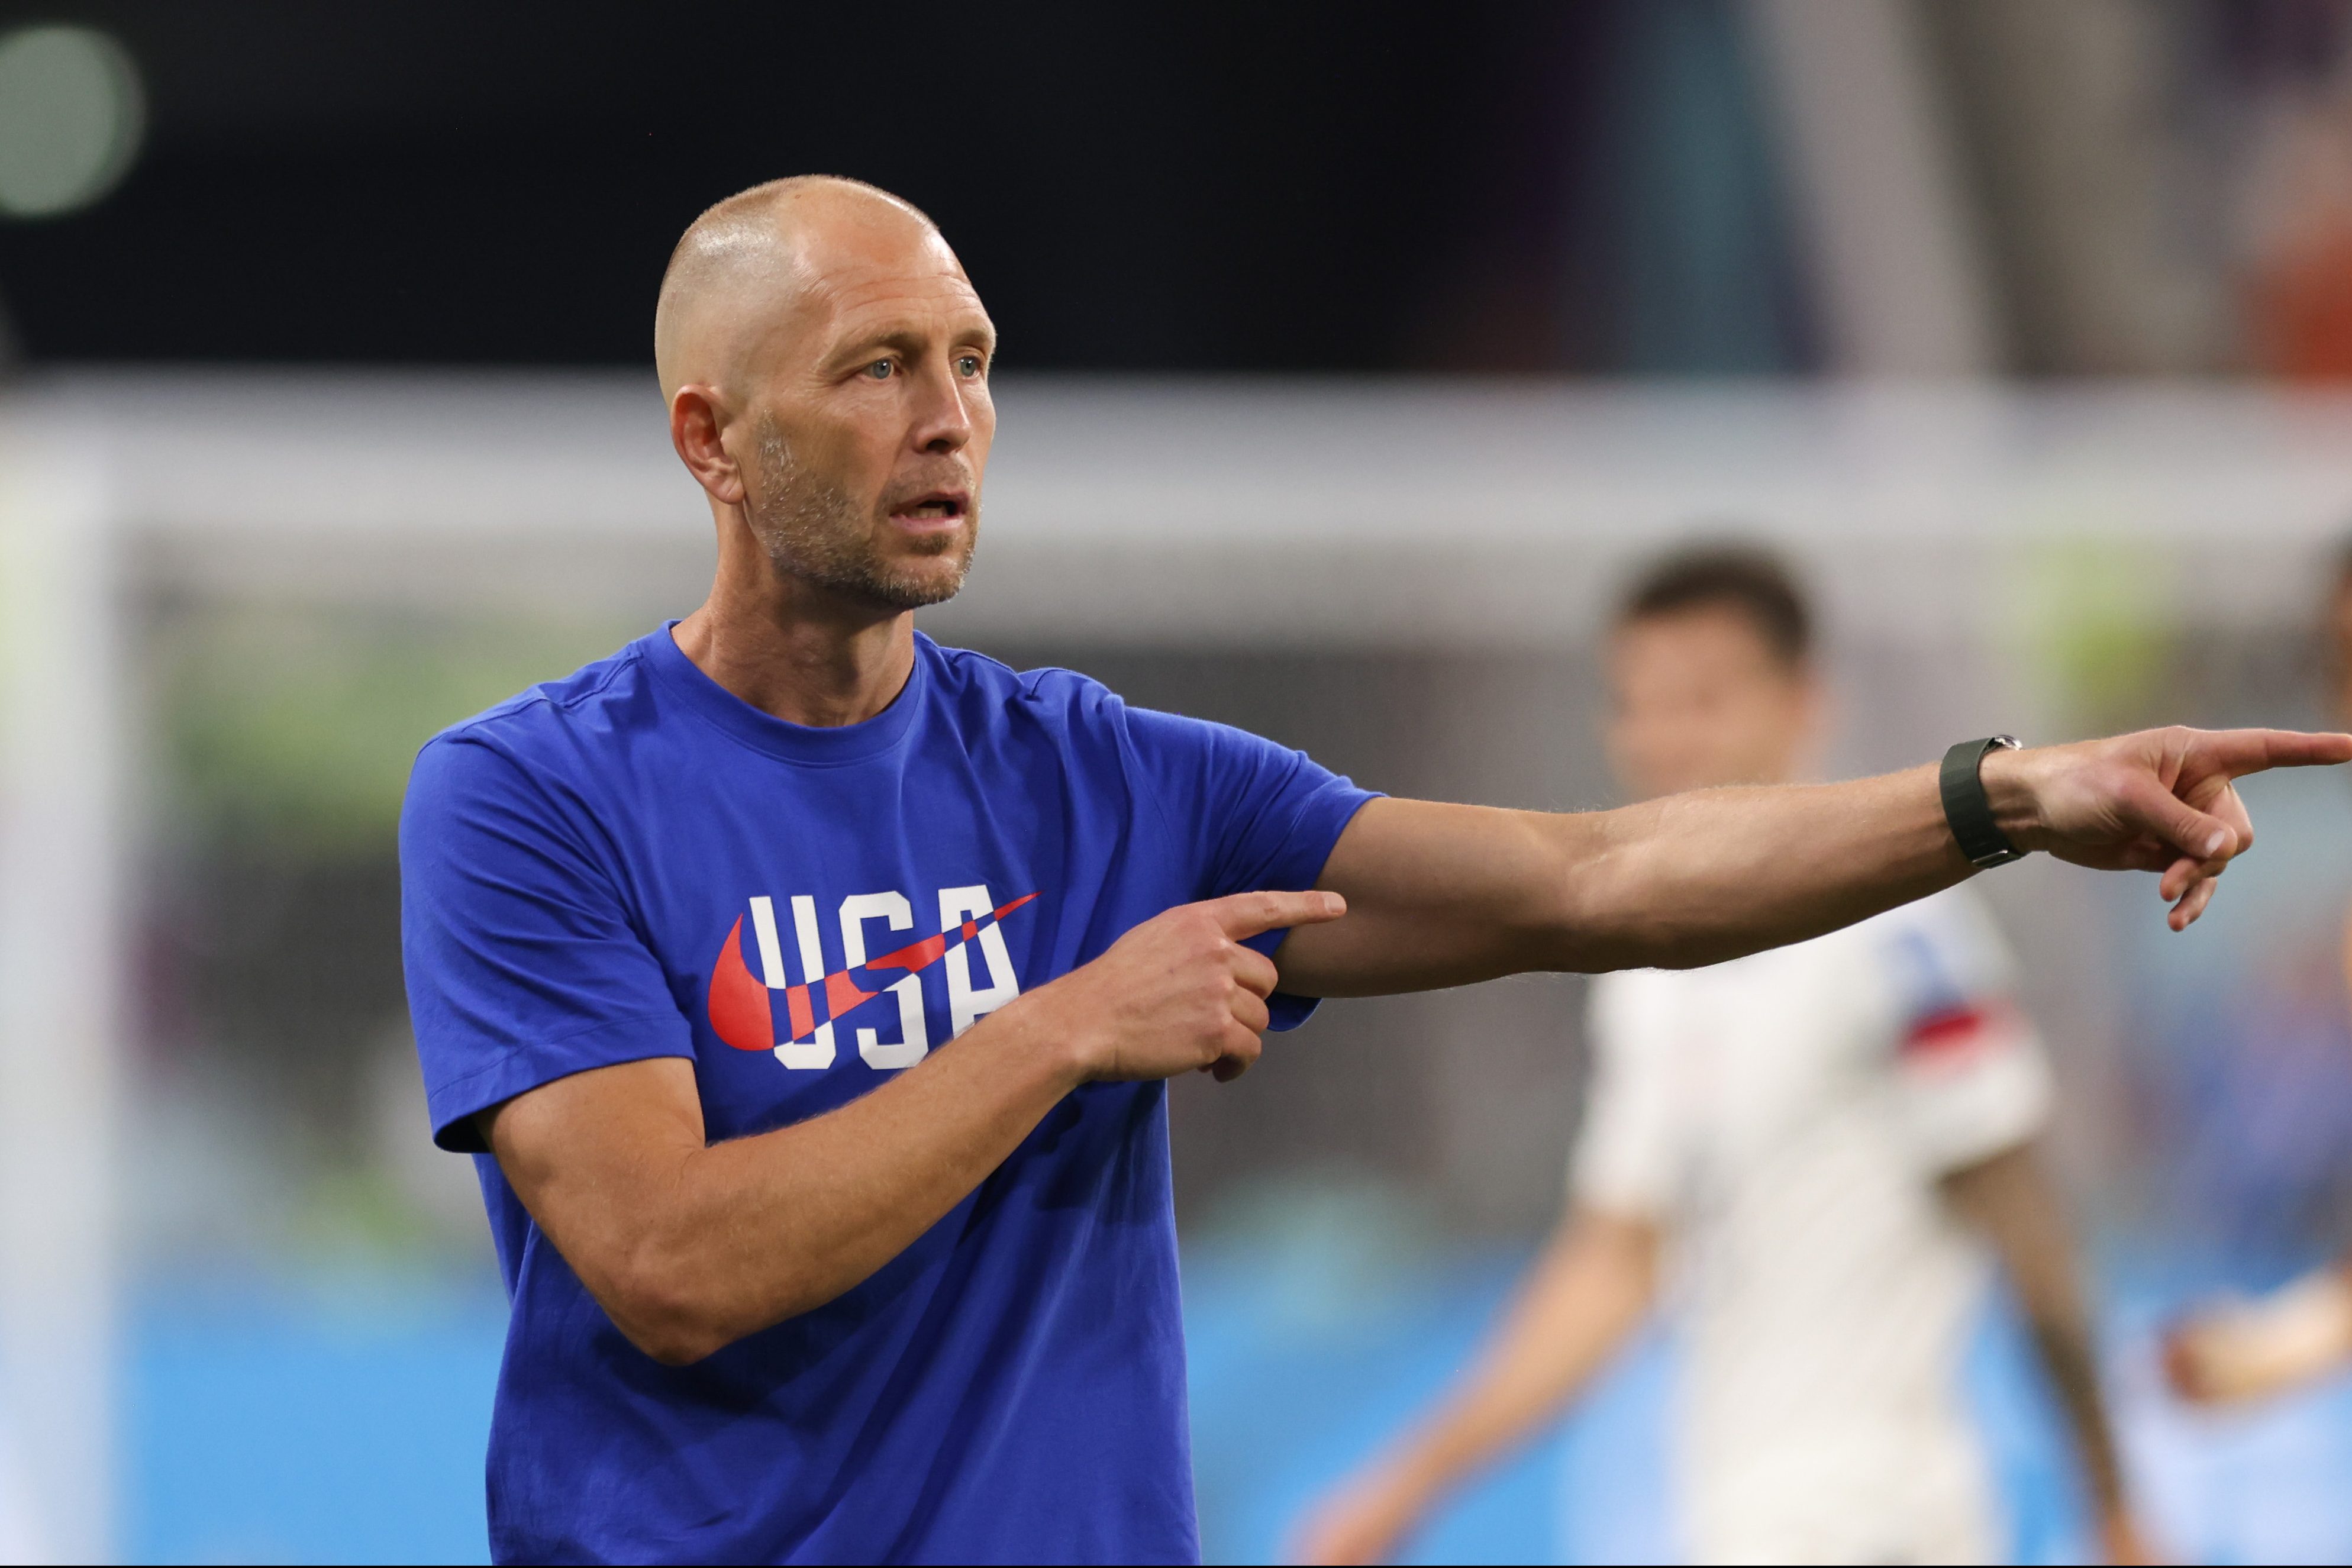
x=1613 y=187
x=1304 y=187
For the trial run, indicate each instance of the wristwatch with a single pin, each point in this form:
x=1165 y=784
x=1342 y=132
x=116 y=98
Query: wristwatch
x=1966 y=808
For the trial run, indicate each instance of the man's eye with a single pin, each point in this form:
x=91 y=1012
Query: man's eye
x=880 y=370
x=969 y=364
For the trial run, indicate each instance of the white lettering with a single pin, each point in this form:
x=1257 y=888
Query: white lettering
x=914 y=1036
x=817 y=1050
x=772 y=952
x=966 y=1003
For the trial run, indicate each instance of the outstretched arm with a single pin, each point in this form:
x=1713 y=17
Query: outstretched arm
x=1587 y=1291
x=2009 y=1200
x=1444 y=895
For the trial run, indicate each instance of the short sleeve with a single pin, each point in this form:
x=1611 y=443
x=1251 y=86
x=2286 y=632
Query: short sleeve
x=1247 y=814
x=1628 y=1157
x=522 y=967
x=1969 y=1071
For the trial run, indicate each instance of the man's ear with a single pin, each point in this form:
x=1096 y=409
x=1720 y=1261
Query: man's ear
x=696 y=420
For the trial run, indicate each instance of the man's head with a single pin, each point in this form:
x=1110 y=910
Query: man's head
x=826 y=361
x=1710 y=675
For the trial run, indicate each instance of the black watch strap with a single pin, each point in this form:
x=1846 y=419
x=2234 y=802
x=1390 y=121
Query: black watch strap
x=1968 y=810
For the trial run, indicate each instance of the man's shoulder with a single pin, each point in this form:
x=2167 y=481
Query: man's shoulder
x=536 y=725
x=969 y=679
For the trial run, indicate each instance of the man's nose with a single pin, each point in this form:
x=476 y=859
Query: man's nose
x=942 y=418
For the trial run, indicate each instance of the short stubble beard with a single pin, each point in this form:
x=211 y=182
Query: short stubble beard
x=813 y=530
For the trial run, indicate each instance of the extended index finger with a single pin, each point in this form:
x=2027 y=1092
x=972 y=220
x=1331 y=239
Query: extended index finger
x=2241 y=752
x=1249 y=914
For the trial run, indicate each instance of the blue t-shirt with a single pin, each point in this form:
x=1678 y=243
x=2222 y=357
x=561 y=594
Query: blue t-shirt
x=633 y=863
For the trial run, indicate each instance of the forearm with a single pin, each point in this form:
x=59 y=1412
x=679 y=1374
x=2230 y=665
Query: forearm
x=2011 y=1201
x=1697 y=878
x=2064 y=1344
x=1446 y=895
x=690 y=1246
x=1589 y=1292
x=772 y=1226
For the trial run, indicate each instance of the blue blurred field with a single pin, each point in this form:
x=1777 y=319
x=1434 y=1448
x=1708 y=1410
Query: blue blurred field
x=344 y=1420
x=332 y=1421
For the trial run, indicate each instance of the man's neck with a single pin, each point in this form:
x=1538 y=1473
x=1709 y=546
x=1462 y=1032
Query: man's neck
x=800 y=653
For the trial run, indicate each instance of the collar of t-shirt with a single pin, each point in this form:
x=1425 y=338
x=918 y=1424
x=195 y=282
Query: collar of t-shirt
x=819 y=745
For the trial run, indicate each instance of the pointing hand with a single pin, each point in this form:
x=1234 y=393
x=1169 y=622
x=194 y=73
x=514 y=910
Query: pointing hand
x=2161 y=800
x=1180 y=992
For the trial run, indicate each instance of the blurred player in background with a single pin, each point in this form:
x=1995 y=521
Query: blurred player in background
x=2295 y=1336
x=1810 y=1134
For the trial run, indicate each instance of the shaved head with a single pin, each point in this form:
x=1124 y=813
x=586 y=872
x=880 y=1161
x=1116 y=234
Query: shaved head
x=826 y=361
x=747 y=257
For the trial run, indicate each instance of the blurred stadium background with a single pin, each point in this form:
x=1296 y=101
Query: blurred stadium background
x=1353 y=354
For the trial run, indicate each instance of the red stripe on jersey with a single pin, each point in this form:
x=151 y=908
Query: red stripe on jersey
x=842 y=994
x=1954 y=1029
x=913 y=956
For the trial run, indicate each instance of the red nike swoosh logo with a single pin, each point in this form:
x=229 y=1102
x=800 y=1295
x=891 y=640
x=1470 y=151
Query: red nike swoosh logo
x=738 y=999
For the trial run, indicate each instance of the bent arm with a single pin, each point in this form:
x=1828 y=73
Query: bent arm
x=1445 y=895
x=689 y=1246
x=2009 y=1199
x=1586 y=1294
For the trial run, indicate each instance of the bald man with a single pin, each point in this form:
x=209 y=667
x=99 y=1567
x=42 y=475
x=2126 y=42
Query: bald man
x=806 y=989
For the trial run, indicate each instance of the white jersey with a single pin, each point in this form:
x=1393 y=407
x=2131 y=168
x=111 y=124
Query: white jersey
x=1785 y=1116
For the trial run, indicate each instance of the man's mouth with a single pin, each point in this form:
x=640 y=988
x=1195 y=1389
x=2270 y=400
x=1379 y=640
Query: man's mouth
x=935 y=508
